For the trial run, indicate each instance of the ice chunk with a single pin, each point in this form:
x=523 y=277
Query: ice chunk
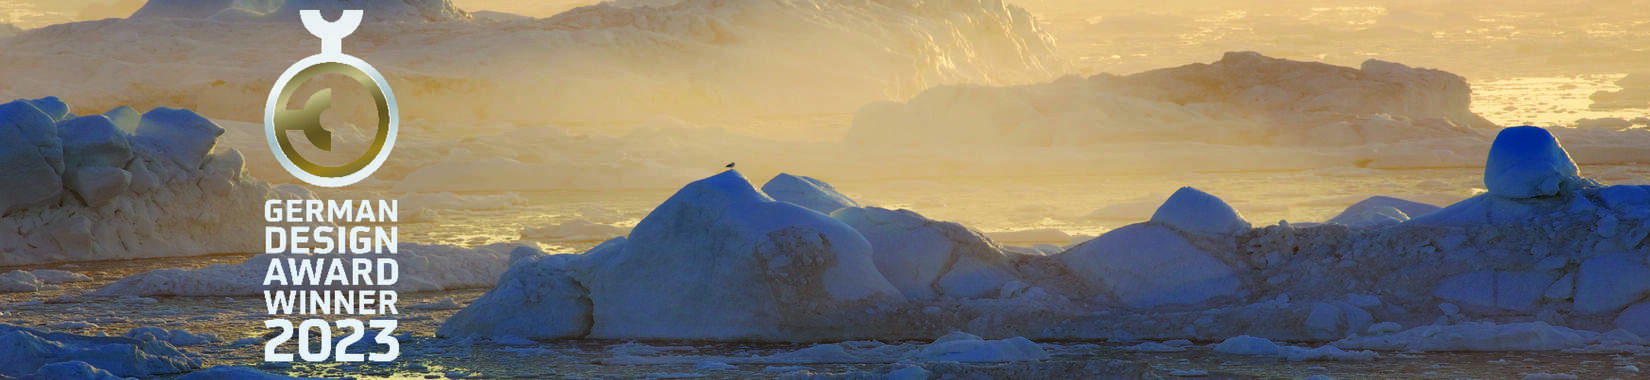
x=97 y=185
x=1192 y=210
x=1635 y=319
x=1247 y=345
x=235 y=372
x=28 y=350
x=182 y=134
x=924 y=258
x=807 y=192
x=968 y=348
x=1607 y=283
x=1624 y=198
x=177 y=337
x=721 y=260
x=124 y=118
x=53 y=276
x=93 y=141
x=1526 y=162
x=1517 y=291
x=52 y=106
x=1378 y=210
x=1325 y=321
x=18 y=282
x=537 y=298
x=74 y=369
x=1146 y=265
x=31 y=157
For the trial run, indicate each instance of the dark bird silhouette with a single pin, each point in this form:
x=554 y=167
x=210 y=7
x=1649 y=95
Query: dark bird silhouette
x=730 y=165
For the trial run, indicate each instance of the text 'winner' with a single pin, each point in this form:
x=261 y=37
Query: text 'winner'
x=331 y=257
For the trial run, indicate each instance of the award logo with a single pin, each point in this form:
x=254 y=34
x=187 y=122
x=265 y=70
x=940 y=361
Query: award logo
x=330 y=257
x=279 y=119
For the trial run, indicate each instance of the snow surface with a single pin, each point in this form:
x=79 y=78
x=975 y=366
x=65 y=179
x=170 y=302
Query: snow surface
x=536 y=298
x=718 y=260
x=968 y=348
x=423 y=268
x=1381 y=210
x=1194 y=211
x=18 y=281
x=807 y=192
x=98 y=188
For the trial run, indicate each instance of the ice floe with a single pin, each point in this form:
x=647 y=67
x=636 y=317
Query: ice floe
x=31 y=352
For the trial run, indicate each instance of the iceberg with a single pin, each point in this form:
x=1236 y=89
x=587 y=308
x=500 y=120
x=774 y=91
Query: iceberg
x=720 y=260
x=84 y=188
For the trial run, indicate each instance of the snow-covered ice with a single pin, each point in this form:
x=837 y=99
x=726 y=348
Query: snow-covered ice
x=1528 y=162
x=537 y=298
x=1147 y=265
x=721 y=260
x=28 y=351
x=1490 y=272
x=968 y=348
x=807 y=192
x=1194 y=211
x=1380 y=210
x=96 y=188
x=718 y=260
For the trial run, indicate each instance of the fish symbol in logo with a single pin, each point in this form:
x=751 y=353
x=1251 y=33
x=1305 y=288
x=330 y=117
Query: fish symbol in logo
x=308 y=120
x=279 y=119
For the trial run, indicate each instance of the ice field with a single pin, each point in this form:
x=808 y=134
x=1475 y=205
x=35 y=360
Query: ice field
x=954 y=188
